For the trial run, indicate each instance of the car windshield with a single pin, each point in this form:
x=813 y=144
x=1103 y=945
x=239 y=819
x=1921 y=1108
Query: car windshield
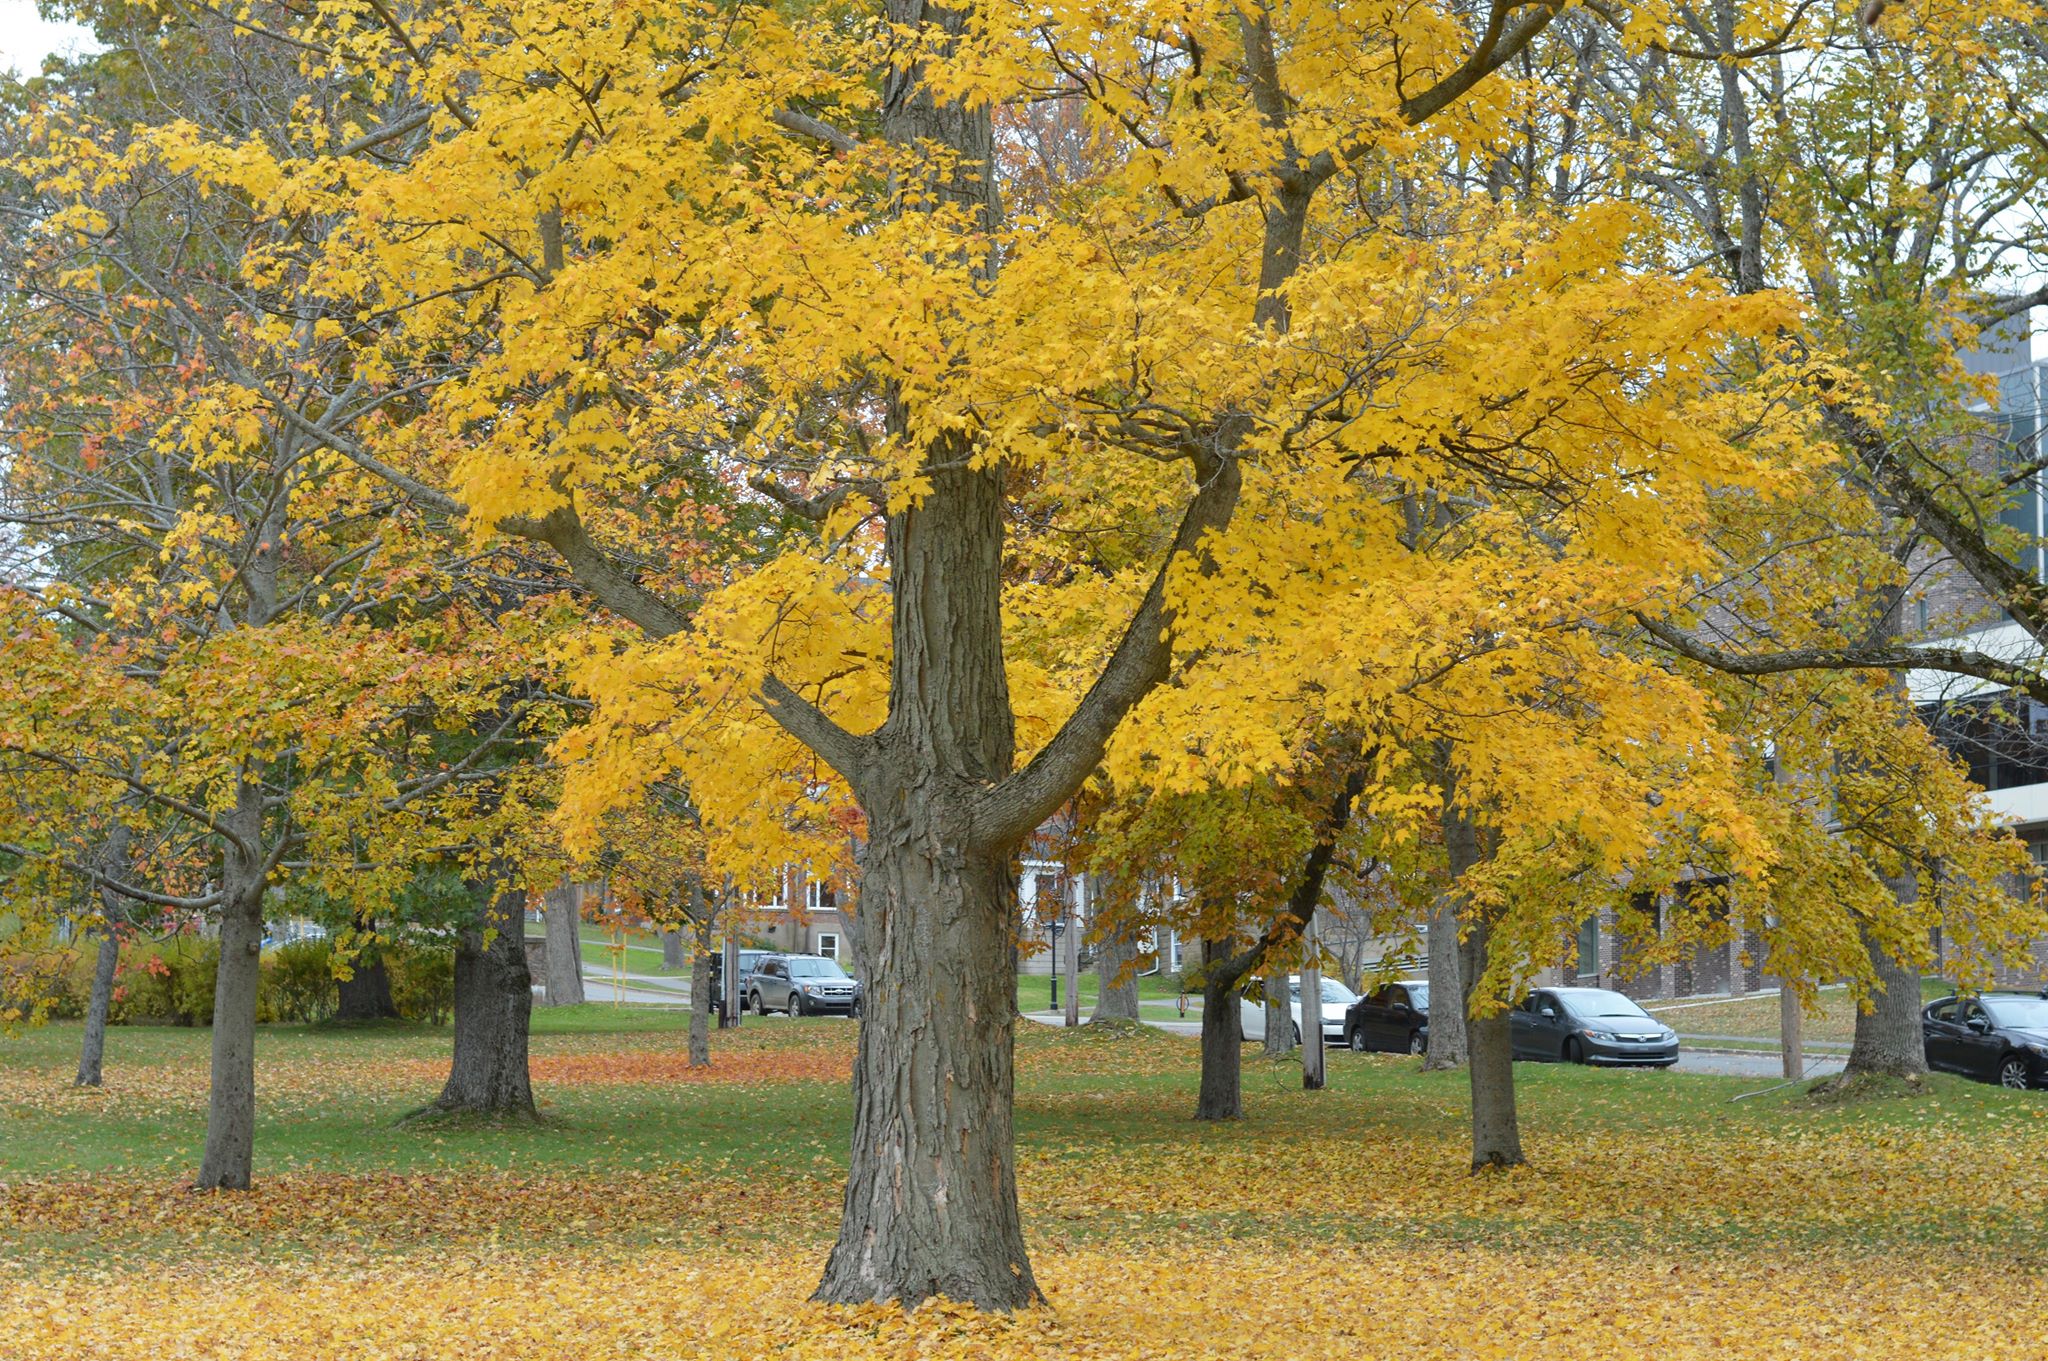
x=816 y=968
x=1333 y=992
x=1600 y=1004
x=2018 y=1013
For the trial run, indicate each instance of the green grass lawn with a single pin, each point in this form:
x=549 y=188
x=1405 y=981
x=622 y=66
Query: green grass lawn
x=658 y=1205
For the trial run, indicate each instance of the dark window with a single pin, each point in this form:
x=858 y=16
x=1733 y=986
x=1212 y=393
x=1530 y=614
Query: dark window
x=1589 y=947
x=1944 y=1010
x=1397 y=997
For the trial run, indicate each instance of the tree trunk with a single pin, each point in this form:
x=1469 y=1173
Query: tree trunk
x=93 y=1049
x=229 y=1160
x=1116 y=971
x=1447 y=1017
x=92 y=1052
x=562 y=911
x=700 y=1010
x=1496 y=1133
x=365 y=995
x=1222 y=1092
x=1791 y=1031
x=1889 y=1040
x=1279 y=1041
x=493 y=1004
x=1071 y=965
x=672 y=950
x=931 y=1191
x=1311 y=1009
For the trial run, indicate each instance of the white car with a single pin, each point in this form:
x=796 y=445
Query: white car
x=1337 y=1000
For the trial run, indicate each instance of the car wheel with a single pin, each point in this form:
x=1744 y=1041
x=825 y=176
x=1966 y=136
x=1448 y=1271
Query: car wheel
x=1574 y=1052
x=1358 y=1041
x=754 y=1004
x=796 y=1005
x=2013 y=1073
x=1416 y=1044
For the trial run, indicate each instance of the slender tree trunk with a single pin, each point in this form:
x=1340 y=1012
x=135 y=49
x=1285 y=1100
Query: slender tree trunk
x=229 y=1160
x=1311 y=1008
x=562 y=911
x=672 y=954
x=1279 y=1041
x=93 y=1050
x=493 y=1005
x=1071 y=950
x=1496 y=1132
x=1446 y=990
x=1889 y=1040
x=1222 y=1092
x=931 y=1192
x=365 y=995
x=1116 y=974
x=700 y=976
x=1791 y=1031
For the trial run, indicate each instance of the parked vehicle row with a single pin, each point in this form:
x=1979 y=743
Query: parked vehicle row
x=1337 y=1002
x=1552 y=1025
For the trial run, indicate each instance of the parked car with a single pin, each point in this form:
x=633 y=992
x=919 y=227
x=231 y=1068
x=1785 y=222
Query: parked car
x=1590 y=1025
x=2000 y=1037
x=802 y=985
x=1391 y=1019
x=1337 y=1000
x=747 y=960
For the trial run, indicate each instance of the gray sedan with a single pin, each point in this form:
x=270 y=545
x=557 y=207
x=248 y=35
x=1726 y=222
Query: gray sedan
x=1590 y=1025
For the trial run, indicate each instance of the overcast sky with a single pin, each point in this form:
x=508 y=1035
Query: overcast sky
x=25 y=39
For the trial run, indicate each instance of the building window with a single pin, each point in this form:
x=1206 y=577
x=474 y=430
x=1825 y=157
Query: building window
x=828 y=944
x=820 y=896
x=1589 y=947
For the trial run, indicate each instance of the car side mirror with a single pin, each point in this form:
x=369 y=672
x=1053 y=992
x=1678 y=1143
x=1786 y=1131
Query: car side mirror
x=1979 y=1024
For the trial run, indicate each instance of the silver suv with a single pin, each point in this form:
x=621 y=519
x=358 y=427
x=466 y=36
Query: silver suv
x=802 y=985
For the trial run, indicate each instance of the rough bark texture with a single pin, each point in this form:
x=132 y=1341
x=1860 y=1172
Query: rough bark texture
x=931 y=1192
x=700 y=1014
x=1791 y=1032
x=562 y=912
x=1070 y=950
x=365 y=995
x=493 y=1004
x=1496 y=1133
x=1888 y=1038
x=93 y=1049
x=1312 y=1018
x=1446 y=1017
x=1222 y=1092
x=1116 y=973
x=229 y=1159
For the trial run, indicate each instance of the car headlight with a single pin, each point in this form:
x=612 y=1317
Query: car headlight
x=1603 y=1036
x=2038 y=1050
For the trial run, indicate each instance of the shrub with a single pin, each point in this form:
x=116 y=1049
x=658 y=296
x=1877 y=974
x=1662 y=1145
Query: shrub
x=422 y=982
x=169 y=983
x=298 y=983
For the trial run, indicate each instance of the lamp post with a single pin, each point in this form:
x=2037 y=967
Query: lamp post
x=1053 y=927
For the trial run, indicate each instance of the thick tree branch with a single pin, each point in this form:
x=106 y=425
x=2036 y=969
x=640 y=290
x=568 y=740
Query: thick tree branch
x=1141 y=660
x=1880 y=657
x=1308 y=890
x=101 y=880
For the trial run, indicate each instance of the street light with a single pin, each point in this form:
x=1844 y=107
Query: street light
x=1053 y=927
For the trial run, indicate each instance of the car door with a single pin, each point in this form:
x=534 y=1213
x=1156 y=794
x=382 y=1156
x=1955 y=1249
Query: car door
x=1397 y=1020
x=771 y=981
x=1251 y=1018
x=1543 y=1038
x=1979 y=1045
x=1521 y=1021
x=1364 y=1017
x=1941 y=1031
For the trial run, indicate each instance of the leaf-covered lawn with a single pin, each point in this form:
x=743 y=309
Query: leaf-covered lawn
x=666 y=1213
x=1833 y=1018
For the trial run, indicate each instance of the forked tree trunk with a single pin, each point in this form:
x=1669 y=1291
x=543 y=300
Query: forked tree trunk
x=931 y=1193
x=1222 y=1092
x=229 y=1160
x=1496 y=1133
x=1889 y=1040
x=365 y=995
x=493 y=1004
x=562 y=913
x=93 y=1049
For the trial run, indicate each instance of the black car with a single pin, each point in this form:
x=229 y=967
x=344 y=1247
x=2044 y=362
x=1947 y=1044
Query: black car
x=2000 y=1037
x=1590 y=1025
x=1391 y=1019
